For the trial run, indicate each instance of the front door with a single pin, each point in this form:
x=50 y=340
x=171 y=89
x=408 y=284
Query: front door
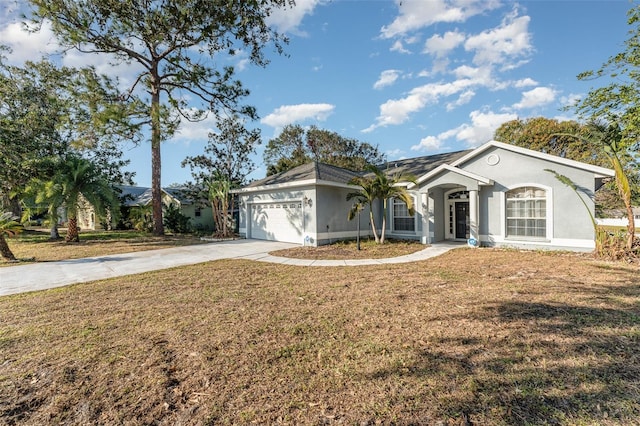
x=462 y=220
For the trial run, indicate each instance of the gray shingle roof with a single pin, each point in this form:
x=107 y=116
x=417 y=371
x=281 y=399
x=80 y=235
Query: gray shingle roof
x=421 y=165
x=141 y=196
x=309 y=171
x=325 y=172
x=134 y=195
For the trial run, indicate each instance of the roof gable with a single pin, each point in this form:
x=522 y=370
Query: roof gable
x=597 y=170
x=446 y=168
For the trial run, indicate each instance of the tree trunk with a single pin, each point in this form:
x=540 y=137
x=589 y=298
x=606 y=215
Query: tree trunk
x=232 y=222
x=15 y=207
x=384 y=221
x=54 y=234
x=624 y=190
x=156 y=164
x=73 y=235
x=631 y=226
x=373 y=226
x=5 y=251
x=108 y=226
x=225 y=217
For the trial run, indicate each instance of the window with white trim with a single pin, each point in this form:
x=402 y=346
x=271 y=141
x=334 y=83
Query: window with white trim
x=527 y=212
x=402 y=220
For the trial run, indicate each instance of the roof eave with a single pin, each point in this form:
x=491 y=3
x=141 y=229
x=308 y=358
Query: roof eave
x=291 y=185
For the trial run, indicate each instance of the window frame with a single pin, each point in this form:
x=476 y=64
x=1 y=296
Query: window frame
x=548 y=212
x=393 y=216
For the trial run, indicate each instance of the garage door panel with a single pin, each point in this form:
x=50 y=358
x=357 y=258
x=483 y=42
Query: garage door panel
x=277 y=221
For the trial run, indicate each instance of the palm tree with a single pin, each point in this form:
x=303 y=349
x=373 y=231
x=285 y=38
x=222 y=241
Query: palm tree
x=218 y=189
x=8 y=227
x=365 y=196
x=81 y=179
x=141 y=218
x=76 y=180
x=381 y=186
x=392 y=187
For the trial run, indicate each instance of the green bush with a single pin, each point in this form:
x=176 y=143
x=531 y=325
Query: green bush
x=175 y=221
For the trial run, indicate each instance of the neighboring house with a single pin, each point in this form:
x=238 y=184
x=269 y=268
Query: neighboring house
x=137 y=196
x=494 y=195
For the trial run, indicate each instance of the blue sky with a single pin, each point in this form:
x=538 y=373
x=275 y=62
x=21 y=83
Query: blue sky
x=415 y=77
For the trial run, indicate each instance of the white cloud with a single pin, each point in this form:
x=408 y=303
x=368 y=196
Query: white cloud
x=525 y=82
x=397 y=111
x=242 y=64
x=195 y=131
x=570 y=99
x=28 y=46
x=397 y=46
x=479 y=75
x=483 y=126
x=439 y=46
x=396 y=154
x=463 y=99
x=481 y=129
x=241 y=60
x=501 y=44
x=387 y=78
x=33 y=46
x=105 y=64
x=417 y=14
x=430 y=143
x=287 y=20
x=288 y=114
x=536 y=97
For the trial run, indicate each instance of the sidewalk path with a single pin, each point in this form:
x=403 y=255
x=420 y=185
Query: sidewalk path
x=45 y=275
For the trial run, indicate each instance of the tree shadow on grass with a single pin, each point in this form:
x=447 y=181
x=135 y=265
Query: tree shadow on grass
x=541 y=363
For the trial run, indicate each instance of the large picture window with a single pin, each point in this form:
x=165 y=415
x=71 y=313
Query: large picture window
x=527 y=212
x=402 y=220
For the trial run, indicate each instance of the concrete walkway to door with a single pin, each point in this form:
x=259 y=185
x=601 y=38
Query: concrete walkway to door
x=46 y=275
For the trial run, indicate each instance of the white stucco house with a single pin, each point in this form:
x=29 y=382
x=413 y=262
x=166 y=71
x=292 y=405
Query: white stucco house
x=495 y=195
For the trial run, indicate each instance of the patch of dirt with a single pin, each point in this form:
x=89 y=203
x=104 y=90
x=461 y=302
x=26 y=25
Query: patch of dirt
x=343 y=250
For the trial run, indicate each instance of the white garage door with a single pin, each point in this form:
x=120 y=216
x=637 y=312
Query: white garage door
x=277 y=222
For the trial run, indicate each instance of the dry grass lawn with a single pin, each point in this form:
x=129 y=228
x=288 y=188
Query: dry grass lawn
x=483 y=337
x=35 y=246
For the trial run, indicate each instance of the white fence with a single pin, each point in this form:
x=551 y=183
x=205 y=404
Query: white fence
x=616 y=222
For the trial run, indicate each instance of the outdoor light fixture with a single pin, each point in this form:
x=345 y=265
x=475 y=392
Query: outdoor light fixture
x=308 y=201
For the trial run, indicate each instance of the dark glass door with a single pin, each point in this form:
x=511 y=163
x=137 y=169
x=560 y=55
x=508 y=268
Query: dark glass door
x=462 y=220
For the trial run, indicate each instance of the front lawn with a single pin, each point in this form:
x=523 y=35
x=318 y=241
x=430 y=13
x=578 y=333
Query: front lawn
x=34 y=245
x=493 y=337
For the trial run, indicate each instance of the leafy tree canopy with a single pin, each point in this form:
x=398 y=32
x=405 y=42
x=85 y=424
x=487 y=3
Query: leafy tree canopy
x=174 y=44
x=47 y=112
x=552 y=137
x=296 y=146
x=619 y=101
x=227 y=153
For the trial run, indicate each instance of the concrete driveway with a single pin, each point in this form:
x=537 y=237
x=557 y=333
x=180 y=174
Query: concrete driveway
x=45 y=275
x=40 y=276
